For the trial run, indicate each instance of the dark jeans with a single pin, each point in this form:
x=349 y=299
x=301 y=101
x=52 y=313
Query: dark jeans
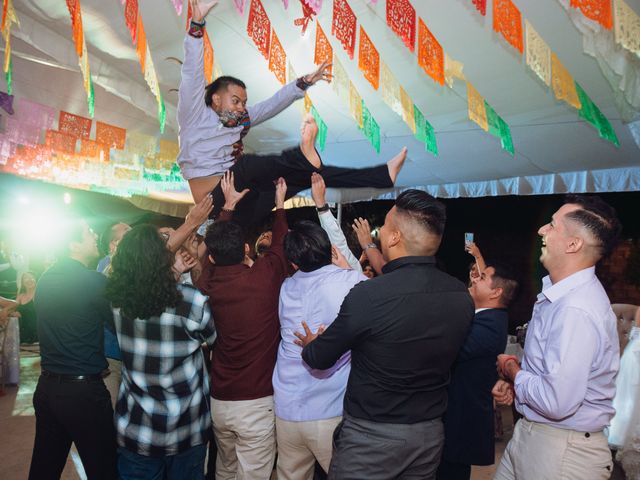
x=258 y=172
x=453 y=471
x=187 y=465
x=383 y=451
x=73 y=412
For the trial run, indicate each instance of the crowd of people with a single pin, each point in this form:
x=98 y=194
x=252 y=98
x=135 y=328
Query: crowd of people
x=296 y=355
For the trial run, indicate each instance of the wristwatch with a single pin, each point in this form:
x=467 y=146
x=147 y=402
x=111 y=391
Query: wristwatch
x=370 y=245
x=323 y=208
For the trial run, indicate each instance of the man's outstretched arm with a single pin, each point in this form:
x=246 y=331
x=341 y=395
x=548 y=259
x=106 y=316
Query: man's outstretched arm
x=192 y=83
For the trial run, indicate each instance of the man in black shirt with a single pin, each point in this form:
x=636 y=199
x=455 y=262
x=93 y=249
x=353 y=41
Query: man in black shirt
x=404 y=330
x=71 y=401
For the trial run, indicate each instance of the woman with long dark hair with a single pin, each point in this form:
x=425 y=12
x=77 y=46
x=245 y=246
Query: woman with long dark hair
x=162 y=414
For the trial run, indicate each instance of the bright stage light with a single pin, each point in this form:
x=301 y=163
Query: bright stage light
x=67 y=198
x=23 y=200
x=36 y=228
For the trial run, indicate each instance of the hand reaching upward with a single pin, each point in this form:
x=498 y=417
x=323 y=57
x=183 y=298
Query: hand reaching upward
x=281 y=192
x=200 y=9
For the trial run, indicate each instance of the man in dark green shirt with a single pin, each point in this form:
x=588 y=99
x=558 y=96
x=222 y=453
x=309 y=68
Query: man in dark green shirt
x=71 y=401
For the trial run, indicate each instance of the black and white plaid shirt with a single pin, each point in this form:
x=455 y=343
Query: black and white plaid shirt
x=163 y=403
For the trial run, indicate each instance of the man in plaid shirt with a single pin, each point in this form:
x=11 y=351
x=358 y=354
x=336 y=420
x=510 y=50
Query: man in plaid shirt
x=162 y=415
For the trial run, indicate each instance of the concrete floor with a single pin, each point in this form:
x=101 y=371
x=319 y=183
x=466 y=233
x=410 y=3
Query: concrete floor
x=17 y=427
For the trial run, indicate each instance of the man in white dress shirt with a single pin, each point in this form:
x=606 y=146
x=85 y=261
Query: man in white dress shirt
x=566 y=383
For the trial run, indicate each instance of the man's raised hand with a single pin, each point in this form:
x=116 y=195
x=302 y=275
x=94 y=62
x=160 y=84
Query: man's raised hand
x=363 y=231
x=231 y=195
x=318 y=190
x=281 y=192
x=200 y=9
x=322 y=73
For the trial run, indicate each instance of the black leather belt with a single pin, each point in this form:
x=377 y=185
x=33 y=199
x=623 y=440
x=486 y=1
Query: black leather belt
x=96 y=377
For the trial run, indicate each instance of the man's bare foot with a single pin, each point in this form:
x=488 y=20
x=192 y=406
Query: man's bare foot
x=395 y=164
x=308 y=133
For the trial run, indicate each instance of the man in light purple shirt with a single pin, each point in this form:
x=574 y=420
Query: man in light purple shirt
x=308 y=402
x=566 y=383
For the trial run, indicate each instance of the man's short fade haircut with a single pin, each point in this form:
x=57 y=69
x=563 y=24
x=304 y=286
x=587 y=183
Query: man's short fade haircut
x=225 y=242
x=424 y=209
x=599 y=218
x=219 y=84
x=506 y=278
x=308 y=246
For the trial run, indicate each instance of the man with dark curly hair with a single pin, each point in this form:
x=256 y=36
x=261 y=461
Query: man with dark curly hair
x=162 y=415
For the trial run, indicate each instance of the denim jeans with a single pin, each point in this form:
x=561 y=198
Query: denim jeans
x=188 y=465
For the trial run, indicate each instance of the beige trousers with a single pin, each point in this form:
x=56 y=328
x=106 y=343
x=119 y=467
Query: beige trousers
x=112 y=381
x=300 y=444
x=245 y=437
x=542 y=452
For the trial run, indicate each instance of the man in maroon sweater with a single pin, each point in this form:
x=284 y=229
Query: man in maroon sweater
x=244 y=303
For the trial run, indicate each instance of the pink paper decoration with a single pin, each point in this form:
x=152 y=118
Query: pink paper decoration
x=240 y=4
x=178 y=6
x=33 y=113
x=21 y=133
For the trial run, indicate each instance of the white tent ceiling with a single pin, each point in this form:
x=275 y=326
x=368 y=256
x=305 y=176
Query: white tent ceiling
x=556 y=151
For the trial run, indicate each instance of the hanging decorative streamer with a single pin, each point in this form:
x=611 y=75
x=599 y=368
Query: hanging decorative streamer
x=538 y=54
x=8 y=76
x=278 y=59
x=81 y=49
x=6 y=102
x=60 y=141
x=307 y=17
x=477 y=111
x=425 y=132
x=323 y=49
x=627 y=27
x=8 y=18
x=36 y=114
x=390 y=89
x=452 y=70
x=596 y=10
x=340 y=80
x=355 y=104
x=370 y=128
x=369 y=59
x=430 y=54
x=208 y=58
x=139 y=39
x=343 y=25
x=259 y=27
x=481 y=6
x=20 y=133
x=408 y=114
x=177 y=4
x=315 y=5
x=141 y=144
x=92 y=149
x=499 y=128
x=507 y=21
x=401 y=17
x=322 y=129
x=563 y=84
x=240 y=4
x=131 y=18
x=74 y=125
x=110 y=135
x=592 y=114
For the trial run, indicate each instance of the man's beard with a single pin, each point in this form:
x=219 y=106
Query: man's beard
x=230 y=119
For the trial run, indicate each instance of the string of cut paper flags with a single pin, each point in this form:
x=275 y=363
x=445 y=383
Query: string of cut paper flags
x=116 y=161
x=9 y=17
x=507 y=20
x=81 y=50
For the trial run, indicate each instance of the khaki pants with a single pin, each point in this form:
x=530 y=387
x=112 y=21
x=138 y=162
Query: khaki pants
x=300 y=444
x=112 y=381
x=246 y=438
x=542 y=452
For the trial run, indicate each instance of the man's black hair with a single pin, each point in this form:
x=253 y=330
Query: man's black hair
x=424 y=209
x=225 y=242
x=219 y=84
x=308 y=246
x=506 y=278
x=599 y=218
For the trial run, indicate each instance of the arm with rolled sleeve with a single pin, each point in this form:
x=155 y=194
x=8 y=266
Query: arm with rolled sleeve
x=269 y=108
x=560 y=389
x=351 y=325
x=337 y=238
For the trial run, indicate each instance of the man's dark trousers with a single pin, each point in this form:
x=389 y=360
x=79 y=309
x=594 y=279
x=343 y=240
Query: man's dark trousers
x=258 y=172
x=78 y=412
x=380 y=451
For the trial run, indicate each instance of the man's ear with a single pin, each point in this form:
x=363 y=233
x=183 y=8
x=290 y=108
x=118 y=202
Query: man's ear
x=216 y=101
x=394 y=238
x=575 y=245
x=496 y=292
x=295 y=267
x=247 y=249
